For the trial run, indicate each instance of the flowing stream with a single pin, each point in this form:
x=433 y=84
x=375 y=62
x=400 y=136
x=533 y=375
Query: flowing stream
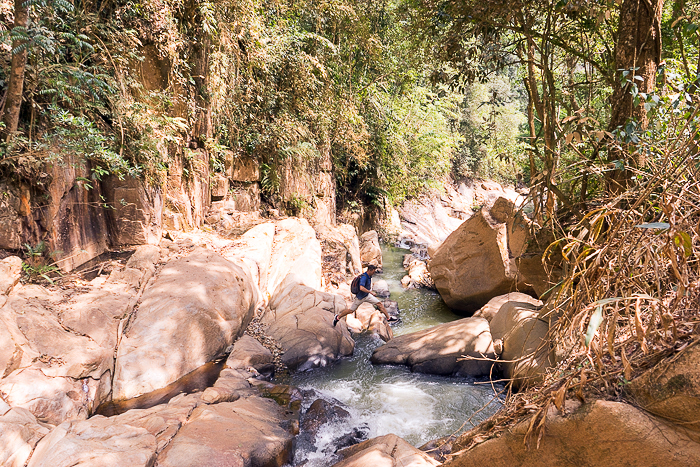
x=391 y=399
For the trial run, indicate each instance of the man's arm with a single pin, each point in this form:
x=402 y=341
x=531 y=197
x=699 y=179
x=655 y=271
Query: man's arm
x=362 y=288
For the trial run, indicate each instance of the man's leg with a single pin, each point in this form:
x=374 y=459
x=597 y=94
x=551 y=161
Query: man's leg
x=377 y=303
x=347 y=311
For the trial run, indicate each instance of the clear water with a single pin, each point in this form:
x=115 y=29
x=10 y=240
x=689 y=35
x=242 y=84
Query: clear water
x=391 y=399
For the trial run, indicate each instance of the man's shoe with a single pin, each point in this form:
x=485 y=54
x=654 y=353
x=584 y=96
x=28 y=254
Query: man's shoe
x=335 y=320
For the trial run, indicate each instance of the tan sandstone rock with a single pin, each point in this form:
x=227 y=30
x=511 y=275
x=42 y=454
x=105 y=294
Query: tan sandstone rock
x=385 y=451
x=10 y=272
x=194 y=310
x=671 y=389
x=370 y=251
x=437 y=350
x=249 y=432
x=526 y=353
x=489 y=310
x=477 y=261
x=595 y=434
x=297 y=251
x=132 y=438
x=19 y=434
x=367 y=319
x=302 y=323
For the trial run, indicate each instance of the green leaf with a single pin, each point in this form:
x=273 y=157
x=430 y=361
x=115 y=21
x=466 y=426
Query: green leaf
x=684 y=240
x=594 y=324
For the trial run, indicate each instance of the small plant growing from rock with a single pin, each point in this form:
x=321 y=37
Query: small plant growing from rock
x=36 y=266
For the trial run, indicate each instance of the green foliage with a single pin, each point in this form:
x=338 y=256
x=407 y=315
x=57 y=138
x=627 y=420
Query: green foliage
x=492 y=123
x=36 y=266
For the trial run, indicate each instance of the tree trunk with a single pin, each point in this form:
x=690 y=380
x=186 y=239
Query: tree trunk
x=638 y=50
x=15 y=87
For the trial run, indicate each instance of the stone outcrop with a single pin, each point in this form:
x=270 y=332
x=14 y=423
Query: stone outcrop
x=520 y=335
x=136 y=216
x=671 y=389
x=385 y=451
x=341 y=253
x=430 y=219
x=249 y=353
x=489 y=310
x=302 y=323
x=251 y=431
x=57 y=347
x=478 y=260
x=418 y=274
x=597 y=433
x=19 y=434
x=10 y=272
x=195 y=309
x=296 y=251
x=370 y=251
x=438 y=350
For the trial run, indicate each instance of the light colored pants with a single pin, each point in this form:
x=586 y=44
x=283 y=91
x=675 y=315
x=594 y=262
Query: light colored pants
x=371 y=299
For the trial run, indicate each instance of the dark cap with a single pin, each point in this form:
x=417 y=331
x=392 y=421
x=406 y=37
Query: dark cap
x=371 y=267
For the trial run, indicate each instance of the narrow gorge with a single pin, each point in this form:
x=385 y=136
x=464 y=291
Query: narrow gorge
x=188 y=190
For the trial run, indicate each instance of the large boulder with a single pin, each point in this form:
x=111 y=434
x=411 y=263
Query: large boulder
x=341 y=252
x=133 y=438
x=249 y=353
x=248 y=432
x=385 y=451
x=429 y=219
x=438 y=350
x=478 y=260
x=594 y=434
x=19 y=433
x=253 y=251
x=520 y=337
x=370 y=251
x=194 y=310
x=671 y=389
x=296 y=250
x=489 y=310
x=302 y=322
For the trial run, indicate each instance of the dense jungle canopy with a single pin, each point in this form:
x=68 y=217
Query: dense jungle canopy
x=575 y=97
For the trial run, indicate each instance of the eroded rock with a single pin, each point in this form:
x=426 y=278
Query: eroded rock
x=526 y=354
x=595 y=434
x=489 y=310
x=477 y=261
x=385 y=451
x=195 y=309
x=247 y=432
x=10 y=272
x=671 y=389
x=370 y=251
x=437 y=350
x=19 y=433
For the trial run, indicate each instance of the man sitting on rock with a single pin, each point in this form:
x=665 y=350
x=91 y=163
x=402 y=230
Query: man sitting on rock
x=364 y=295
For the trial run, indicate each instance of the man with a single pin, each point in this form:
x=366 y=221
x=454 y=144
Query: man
x=364 y=295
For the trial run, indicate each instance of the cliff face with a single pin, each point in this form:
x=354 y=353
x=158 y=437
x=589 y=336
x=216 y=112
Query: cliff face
x=80 y=216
